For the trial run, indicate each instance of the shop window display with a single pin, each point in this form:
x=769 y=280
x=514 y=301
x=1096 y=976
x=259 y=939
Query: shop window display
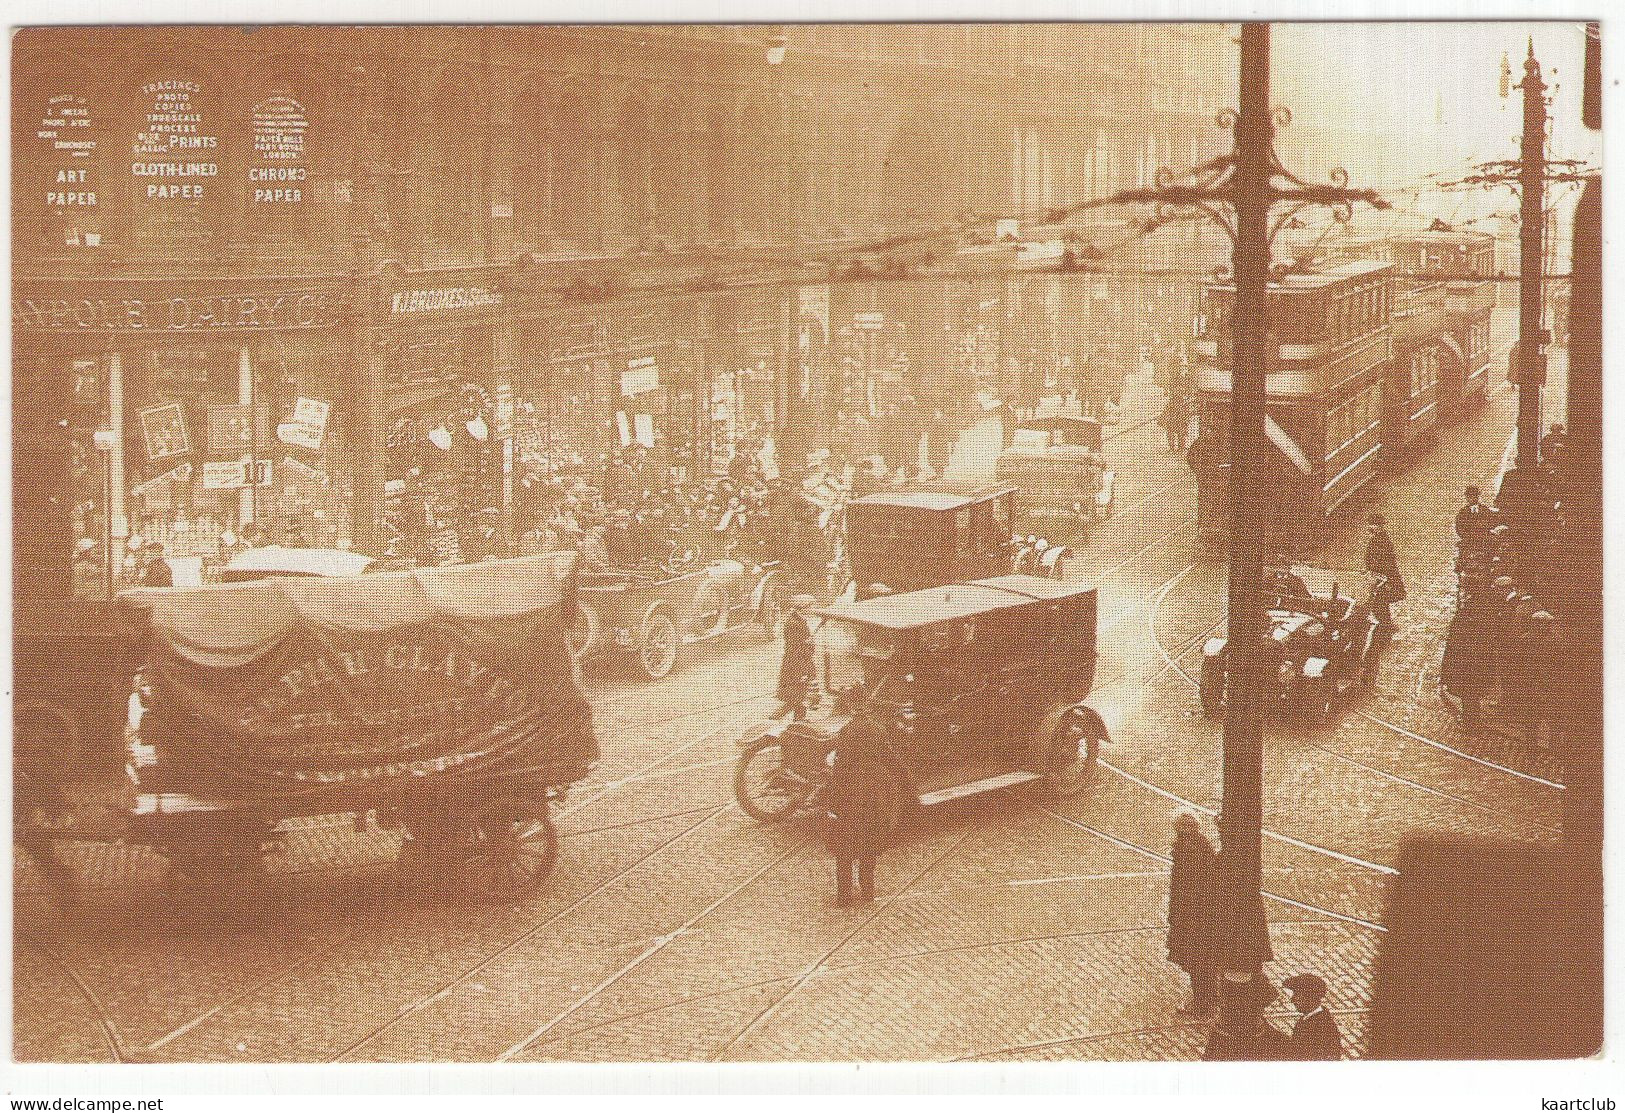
x=193 y=469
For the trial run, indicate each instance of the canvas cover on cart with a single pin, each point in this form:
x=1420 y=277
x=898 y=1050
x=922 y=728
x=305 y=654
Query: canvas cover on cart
x=288 y=684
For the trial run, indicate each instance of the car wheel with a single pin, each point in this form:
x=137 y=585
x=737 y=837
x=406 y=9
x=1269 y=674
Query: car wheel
x=657 y=646
x=511 y=849
x=767 y=790
x=583 y=633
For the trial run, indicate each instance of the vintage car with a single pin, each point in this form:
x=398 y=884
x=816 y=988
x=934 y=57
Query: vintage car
x=1322 y=644
x=1055 y=462
x=973 y=686
x=901 y=541
x=441 y=702
x=650 y=617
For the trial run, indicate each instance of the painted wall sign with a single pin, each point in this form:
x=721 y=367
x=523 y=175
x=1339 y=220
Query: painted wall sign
x=641 y=375
x=444 y=299
x=174 y=155
x=277 y=173
x=234 y=312
x=67 y=132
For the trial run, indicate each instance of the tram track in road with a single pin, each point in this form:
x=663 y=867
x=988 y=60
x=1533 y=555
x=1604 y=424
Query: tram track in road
x=1171 y=663
x=658 y=945
x=445 y=988
x=1100 y=1037
x=116 y=1046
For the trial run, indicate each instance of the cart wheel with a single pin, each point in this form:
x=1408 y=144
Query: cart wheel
x=511 y=849
x=1072 y=759
x=657 y=646
x=46 y=739
x=1211 y=690
x=583 y=631
x=765 y=789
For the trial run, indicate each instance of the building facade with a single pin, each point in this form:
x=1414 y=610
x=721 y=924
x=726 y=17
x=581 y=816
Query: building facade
x=341 y=285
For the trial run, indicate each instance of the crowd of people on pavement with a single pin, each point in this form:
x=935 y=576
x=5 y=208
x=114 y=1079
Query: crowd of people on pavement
x=1504 y=638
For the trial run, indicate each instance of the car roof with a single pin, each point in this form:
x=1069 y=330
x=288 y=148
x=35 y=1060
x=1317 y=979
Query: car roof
x=936 y=496
x=274 y=560
x=930 y=606
x=1057 y=421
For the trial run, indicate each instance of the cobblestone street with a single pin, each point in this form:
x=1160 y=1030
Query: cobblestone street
x=1007 y=927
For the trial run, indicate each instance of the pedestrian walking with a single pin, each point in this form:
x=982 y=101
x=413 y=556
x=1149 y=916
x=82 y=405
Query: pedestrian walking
x=796 y=668
x=1175 y=420
x=1474 y=522
x=1315 y=1035
x=1193 y=890
x=860 y=804
x=939 y=442
x=1382 y=562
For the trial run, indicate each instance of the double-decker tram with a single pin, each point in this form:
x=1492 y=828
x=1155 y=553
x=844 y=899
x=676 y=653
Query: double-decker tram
x=1330 y=343
x=1442 y=306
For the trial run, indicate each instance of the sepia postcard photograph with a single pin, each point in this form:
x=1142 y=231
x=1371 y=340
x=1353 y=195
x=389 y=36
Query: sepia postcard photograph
x=1076 y=540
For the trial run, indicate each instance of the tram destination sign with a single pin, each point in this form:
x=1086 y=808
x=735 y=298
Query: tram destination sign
x=244 y=312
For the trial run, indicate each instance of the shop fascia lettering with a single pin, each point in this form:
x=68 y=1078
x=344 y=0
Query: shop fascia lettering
x=444 y=298
x=229 y=311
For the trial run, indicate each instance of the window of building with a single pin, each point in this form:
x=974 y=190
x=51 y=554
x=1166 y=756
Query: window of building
x=533 y=143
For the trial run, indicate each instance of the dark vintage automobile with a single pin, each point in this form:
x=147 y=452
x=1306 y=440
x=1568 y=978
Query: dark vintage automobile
x=441 y=702
x=974 y=687
x=649 y=617
x=901 y=541
x=1322 y=643
x=1055 y=462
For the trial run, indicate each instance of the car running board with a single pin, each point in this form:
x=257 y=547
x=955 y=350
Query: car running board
x=986 y=784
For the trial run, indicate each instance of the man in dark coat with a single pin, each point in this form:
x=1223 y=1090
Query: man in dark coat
x=155 y=570
x=1467 y=670
x=860 y=801
x=1262 y=1042
x=1474 y=522
x=1192 y=910
x=796 y=669
x=1176 y=421
x=1382 y=562
x=1315 y=1035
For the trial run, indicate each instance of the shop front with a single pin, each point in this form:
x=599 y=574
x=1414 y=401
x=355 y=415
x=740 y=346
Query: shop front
x=175 y=419
x=747 y=380
x=448 y=409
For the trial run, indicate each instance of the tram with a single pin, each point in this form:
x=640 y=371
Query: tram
x=1446 y=270
x=1332 y=339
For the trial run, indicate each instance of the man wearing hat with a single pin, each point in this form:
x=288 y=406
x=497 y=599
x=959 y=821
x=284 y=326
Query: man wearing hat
x=796 y=668
x=1474 y=522
x=1383 y=564
x=1315 y=1035
x=155 y=571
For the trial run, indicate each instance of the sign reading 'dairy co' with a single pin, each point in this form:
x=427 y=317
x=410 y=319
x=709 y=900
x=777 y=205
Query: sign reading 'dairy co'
x=277 y=173
x=299 y=309
x=66 y=127
x=173 y=154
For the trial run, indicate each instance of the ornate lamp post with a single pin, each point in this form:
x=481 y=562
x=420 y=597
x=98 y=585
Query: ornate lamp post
x=1250 y=182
